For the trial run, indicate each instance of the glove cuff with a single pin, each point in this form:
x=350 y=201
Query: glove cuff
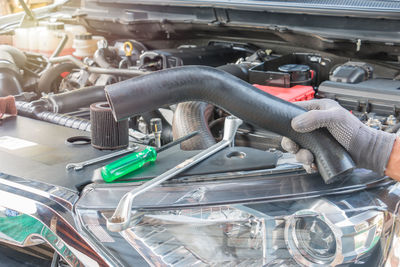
x=387 y=141
x=371 y=149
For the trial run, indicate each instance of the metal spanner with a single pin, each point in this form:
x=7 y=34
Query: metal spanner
x=80 y=165
x=121 y=218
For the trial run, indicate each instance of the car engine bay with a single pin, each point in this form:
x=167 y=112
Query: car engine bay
x=208 y=111
x=60 y=89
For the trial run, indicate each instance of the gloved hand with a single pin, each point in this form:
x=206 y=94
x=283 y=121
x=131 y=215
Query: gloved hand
x=369 y=148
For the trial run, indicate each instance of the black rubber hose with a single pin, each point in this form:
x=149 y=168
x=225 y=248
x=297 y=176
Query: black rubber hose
x=102 y=55
x=50 y=80
x=75 y=99
x=238 y=70
x=11 y=60
x=194 y=116
x=65 y=120
x=200 y=83
x=37 y=112
x=19 y=58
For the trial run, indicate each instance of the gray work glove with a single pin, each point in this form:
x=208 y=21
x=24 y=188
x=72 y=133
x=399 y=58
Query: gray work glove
x=369 y=148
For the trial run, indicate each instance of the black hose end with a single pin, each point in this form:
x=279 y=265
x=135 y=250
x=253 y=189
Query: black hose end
x=342 y=175
x=333 y=162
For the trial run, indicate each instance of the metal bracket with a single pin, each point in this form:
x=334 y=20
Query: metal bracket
x=29 y=19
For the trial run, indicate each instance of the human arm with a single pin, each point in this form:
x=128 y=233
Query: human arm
x=393 y=166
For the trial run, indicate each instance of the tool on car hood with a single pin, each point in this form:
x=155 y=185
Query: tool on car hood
x=80 y=165
x=121 y=218
x=134 y=161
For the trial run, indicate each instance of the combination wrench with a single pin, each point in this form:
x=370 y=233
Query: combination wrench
x=80 y=165
x=121 y=218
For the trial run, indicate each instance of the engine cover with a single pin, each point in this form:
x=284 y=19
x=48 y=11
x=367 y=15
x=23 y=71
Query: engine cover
x=381 y=96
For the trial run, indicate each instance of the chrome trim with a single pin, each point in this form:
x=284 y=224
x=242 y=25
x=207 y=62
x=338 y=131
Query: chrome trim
x=49 y=213
x=64 y=196
x=283 y=182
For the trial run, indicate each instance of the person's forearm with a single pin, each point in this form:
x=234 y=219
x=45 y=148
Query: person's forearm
x=393 y=167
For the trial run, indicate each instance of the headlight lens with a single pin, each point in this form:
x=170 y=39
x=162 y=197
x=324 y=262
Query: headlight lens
x=315 y=239
x=318 y=234
x=327 y=235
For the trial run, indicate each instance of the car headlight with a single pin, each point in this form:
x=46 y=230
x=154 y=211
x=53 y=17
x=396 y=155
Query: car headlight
x=312 y=233
x=326 y=235
x=311 y=240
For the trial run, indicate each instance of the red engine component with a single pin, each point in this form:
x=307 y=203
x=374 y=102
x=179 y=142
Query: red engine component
x=292 y=94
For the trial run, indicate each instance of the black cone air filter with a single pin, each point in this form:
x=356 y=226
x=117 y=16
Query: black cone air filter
x=106 y=132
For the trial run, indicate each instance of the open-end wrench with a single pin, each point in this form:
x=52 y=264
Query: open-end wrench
x=120 y=220
x=80 y=165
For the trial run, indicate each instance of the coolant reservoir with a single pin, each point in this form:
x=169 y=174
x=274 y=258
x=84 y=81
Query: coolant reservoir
x=21 y=38
x=72 y=31
x=85 y=44
x=33 y=42
x=6 y=39
x=46 y=38
x=50 y=38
